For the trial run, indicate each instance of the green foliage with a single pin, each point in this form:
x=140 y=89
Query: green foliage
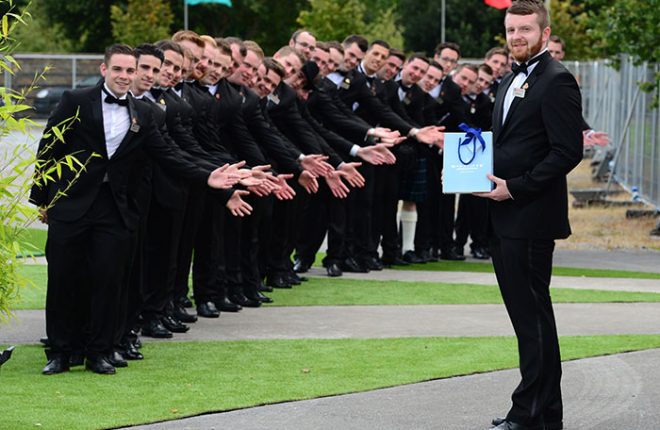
x=16 y=163
x=569 y=21
x=141 y=21
x=384 y=26
x=333 y=19
x=40 y=35
x=85 y=23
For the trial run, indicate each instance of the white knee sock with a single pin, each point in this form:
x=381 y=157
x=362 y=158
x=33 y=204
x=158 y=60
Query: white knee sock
x=408 y=223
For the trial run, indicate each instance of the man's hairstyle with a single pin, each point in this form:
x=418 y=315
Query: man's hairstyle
x=286 y=50
x=418 y=56
x=223 y=46
x=557 y=39
x=529 y=7
x=149 y=49
x=190 y=36
x=398 y=54
x=323 y=46
x=361 y=41
x=333 y=44
x=468 y=66
x=486 y=69
x=273 y=65
x=253 y=46
x=437 y=65
x=300 y=31
x=208 y=40
x=448 y=45
x=379 y=42
x=497 y=51
x=236 y=41
x=168 y=45
x=118 y=48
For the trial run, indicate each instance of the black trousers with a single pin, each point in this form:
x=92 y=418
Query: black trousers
x=194 y=211
x=523 y=268
x=287 y=218
x=88 y=259
x=385 y=207
x=359 y=231
x=472 y=220
x=209 y=251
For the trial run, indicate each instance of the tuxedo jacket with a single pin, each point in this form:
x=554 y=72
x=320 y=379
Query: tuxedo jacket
x=200 y=119
x=449 y=107
x=86 y=141
x=537 y=145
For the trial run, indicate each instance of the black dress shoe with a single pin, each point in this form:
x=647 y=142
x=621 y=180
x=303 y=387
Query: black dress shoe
x=480 y=254
x=372 y=263
x=76 y=360
x=265 y=288
x=278 y=281
x=207 y=310
x=56 y=364
x=424 y=256
x=173 y=324
x=292 y=278
x=547 y=426
x=352 y=266
x=300 y=267
x=411 y=258
x=186 y=302
x=100 y=365
x=117 y=360
x=226 y=305
x=179 y=312
x=154 y=328
x=452 y=255
x=503 y=424
x=334 y=270
x=260 y=297
x=244 y=301
x=129 y=351
x=394 y=261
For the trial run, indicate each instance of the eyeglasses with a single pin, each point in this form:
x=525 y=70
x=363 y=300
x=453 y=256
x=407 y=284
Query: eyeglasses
x=449 y=60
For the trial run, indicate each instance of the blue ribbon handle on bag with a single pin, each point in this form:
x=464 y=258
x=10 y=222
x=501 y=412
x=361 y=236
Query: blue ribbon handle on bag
x=472 y=135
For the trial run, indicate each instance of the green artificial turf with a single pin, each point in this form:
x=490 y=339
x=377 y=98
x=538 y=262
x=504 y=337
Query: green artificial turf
x=183 y=379
x=334 y=291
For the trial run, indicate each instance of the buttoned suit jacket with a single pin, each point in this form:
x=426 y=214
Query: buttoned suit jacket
x=535 y=147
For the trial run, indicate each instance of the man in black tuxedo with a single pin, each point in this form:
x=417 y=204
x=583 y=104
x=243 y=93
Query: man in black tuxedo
x=90 y=225
x=538 y=140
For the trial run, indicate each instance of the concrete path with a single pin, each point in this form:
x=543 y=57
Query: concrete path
x=619 y=392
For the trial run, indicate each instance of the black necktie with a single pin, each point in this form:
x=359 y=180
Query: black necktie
x=522 y=67
x=109 y=98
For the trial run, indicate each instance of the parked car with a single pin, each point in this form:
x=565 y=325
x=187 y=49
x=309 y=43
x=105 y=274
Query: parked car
x=47 y=98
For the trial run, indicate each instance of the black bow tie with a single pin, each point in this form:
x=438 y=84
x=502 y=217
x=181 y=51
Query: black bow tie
x=179 y=86
x=157 y=92
x=522 y=67
x=109 y=98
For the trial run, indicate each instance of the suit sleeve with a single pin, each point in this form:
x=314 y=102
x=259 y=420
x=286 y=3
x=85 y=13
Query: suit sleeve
x=562 y=118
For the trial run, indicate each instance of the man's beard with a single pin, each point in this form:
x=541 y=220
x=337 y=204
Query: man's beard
x=530 y=52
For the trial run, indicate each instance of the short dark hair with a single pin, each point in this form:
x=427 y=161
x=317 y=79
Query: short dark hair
x=448 y=45
x=379 y=42
x=497 y=51
x=418 y=56
x=557 y=39
x=323 y=46
x=223 y=46
x=468 y=66
x=486 y=69
x=273 y=65
x=361 y=42
x=149 y=49
x=398 y=54
x=333 y=44
x=236 y=41
x=529 y=7
x=286 y=50
x=437 y=65
x=118 y=48
x=168 y=45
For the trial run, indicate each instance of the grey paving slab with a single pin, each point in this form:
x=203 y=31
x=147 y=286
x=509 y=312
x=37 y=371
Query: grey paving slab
x=619 y=392
x=338 y=322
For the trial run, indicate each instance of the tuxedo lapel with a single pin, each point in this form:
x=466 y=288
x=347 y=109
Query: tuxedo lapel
x=97 y=116
x=499 y=104
x=133 y=128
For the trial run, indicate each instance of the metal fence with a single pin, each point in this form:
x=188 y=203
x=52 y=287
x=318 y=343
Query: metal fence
x=612 y=102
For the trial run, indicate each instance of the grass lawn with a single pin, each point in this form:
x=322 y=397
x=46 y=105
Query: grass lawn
x=36 y=238
x=200 y=377
x=326 y=291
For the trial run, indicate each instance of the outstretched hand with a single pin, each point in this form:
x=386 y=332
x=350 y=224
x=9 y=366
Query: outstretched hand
x=237 y=206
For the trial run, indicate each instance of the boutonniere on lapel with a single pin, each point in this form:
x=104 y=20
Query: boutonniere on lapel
x=135 y=127
x=217 y=96
x=346 y=84
x=161 y=104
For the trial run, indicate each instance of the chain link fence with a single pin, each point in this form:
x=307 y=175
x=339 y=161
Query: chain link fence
x=612 y=102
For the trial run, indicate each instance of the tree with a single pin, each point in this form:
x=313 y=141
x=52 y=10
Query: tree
x=385 y=27
x=141 y=21
x=40 y=35
x=16 y=162
x=569 y=21
x=84 y=23
x=333 y=19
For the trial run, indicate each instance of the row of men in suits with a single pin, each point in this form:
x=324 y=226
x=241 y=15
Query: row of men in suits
x=305 y=122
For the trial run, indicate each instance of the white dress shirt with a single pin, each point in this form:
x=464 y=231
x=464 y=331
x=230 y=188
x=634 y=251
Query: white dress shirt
x=116 y=122
x=517 y=82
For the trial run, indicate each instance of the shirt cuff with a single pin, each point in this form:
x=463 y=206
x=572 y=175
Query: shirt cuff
x=354 y=150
